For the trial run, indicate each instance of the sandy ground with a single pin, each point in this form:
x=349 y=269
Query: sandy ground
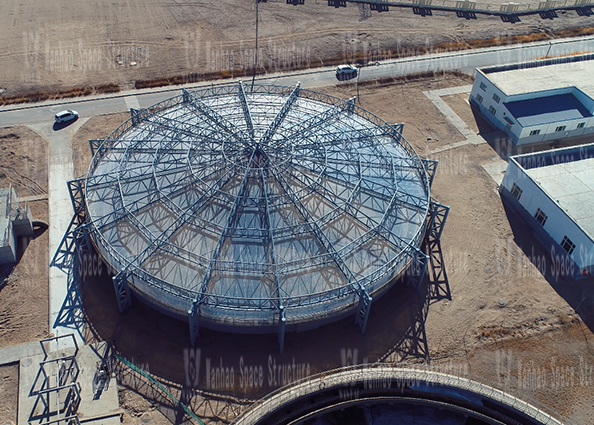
x=97 y=127
x=24 y=288
x=544 y=331
x=53 y=45
x=23 y=161
x=9 y=389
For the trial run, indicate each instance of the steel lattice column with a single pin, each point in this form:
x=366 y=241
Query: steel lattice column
x=122 y=289
x=438 y=215
x=418 y=267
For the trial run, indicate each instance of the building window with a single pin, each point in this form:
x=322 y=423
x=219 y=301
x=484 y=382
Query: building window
x=581 y=125
x=540 y=216
x=560 y=128
x=535 y=132
x=567 y=245
x=479 y=98
x=516 y=191
x=492 y=110
x=483 y=87
x=496 y=98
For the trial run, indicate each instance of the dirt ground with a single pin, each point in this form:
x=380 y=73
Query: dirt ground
x=24 y=289
x=538 y=345
x=52 y=45
x=9 y=389
x=97 y=127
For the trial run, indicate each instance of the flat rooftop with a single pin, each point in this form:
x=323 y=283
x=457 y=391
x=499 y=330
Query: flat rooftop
x=535 y=76
x=567 y=176
x=548 y=109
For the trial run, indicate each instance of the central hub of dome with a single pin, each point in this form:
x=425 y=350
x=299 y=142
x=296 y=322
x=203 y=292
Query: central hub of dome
x=247 y=153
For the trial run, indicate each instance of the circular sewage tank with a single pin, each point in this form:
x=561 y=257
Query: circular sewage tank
x=381 y=393
x=245 y=205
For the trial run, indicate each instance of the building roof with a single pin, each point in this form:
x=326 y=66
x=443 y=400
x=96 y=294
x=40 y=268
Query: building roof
x=543 y=75
x=548 y=109
x=567 y=177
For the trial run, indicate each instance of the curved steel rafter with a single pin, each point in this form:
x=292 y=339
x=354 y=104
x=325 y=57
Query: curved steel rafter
x=194 y=311
x=280 y=117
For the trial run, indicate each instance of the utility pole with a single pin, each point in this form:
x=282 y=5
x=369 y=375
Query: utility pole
x=358 y=74
x=256 y=54
x=550 y=45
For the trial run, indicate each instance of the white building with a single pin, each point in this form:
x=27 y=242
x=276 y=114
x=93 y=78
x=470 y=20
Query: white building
x=553 y=191
x=538 y=101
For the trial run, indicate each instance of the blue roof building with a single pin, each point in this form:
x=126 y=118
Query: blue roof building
x=538 y=101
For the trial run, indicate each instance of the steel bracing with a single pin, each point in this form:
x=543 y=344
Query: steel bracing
x=438 y=215
x=266 y=206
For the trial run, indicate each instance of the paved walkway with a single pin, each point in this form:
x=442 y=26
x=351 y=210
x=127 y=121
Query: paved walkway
x=471 y=138
x=62 y=366
x=60 y=171
x=14 y=353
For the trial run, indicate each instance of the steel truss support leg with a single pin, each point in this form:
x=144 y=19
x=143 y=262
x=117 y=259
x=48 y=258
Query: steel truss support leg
x=66 y=251
x=399 y=127
x=122 y=290
x=439 y=215
x=135 y=115
x=363 y=310
x=72 y=242
x=351 y=104
x=440 y=287
x=94 y=144
x=418 y=268
x=193 y=319
x=81 y=239
x=82 y=247
x=76 y=189
x=282 y=320
x=431 y=167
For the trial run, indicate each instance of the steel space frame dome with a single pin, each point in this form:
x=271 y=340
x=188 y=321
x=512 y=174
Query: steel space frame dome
x=257 y=208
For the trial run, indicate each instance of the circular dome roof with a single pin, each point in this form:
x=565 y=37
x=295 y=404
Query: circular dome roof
x=247 y=200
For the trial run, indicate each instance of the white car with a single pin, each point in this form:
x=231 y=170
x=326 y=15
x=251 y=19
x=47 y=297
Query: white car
x=66 y=115
x=346 y=72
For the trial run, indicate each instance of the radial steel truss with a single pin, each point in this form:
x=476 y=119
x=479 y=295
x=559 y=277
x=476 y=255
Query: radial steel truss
x=257 y=207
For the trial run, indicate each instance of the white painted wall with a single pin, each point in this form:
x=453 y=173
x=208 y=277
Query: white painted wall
x=521 y=135
x=558 y=223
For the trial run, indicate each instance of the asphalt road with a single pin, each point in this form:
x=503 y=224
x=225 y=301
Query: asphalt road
x=465 y=61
